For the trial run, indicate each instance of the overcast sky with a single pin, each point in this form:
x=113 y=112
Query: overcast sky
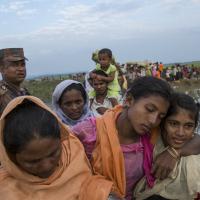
x=58 y=36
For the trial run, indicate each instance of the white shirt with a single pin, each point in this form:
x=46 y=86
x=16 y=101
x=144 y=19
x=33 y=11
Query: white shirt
x=95 y=105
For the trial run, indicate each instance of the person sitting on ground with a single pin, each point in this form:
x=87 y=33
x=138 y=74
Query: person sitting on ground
x=13 y=71
x=119 y=142
x=41 y=159
x=70 y=102
x=101 y=102
x=104 y=64
x=177 y=129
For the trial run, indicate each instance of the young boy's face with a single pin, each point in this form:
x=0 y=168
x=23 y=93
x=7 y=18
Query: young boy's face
x=99 y=86
x=104 y=60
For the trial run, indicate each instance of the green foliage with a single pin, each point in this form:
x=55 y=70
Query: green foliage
x=193 y=63
x=42 y=89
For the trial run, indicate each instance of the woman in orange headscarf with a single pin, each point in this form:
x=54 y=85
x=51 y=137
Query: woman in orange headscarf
x=120 y=142
x=40 y=159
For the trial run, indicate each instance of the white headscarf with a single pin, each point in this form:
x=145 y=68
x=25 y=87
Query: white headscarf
x=58 y=91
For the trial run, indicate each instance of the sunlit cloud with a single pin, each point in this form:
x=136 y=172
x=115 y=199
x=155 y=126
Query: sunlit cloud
x=18 y=8
x=139 y=28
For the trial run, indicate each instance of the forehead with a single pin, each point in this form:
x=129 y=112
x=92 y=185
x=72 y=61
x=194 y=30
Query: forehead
x=9 y=63
x=182 y=115
x=71 y=95
x=151 y=99
x=39 y=148
x=104 y=56
x=96 y=81
x=157 y=101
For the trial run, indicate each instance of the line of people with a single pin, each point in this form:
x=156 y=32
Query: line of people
x=170 y=73
x=145 y=148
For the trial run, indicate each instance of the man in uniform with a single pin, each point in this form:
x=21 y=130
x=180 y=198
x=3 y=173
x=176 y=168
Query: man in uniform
x=13 y=71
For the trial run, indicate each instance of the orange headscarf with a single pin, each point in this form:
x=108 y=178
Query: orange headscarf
x=107 y=158
x=72 y=179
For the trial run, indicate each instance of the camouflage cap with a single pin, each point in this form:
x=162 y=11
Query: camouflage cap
x=12 y=54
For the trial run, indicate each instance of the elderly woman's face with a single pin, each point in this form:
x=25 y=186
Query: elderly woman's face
x=40 y=156
x=179 y=128
x=72 y=104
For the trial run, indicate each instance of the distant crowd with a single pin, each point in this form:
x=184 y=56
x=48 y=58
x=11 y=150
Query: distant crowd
x=169 y=73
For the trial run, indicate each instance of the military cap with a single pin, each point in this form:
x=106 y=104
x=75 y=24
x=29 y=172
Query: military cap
x=12 y=54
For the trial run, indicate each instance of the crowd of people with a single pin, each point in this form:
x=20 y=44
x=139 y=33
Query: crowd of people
x=106 y=139
x=170 y=73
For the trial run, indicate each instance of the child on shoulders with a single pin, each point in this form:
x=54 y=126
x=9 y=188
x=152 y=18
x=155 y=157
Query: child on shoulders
x=104 y=64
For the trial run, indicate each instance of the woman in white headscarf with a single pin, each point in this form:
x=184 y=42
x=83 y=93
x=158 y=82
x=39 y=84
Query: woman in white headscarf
x=70 y=102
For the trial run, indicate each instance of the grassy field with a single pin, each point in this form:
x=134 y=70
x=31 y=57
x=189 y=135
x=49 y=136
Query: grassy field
x=195 y=63
x=44 y=88
x=191 y=87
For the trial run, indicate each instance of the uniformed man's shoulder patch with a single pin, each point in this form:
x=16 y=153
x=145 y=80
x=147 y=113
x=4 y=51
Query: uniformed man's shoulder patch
x=3 y=88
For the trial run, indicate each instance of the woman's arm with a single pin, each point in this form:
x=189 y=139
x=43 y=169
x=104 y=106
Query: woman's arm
x=85 y=131
x=192 y=147
x=101 y=110
x=113 y=101
x=165 y=163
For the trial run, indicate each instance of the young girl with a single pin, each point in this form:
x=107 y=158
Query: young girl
x=117 y=143
x=70 y=102
x=41 y=159
x=177 y=129
x=101 y=102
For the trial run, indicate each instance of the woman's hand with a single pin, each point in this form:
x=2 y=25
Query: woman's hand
x=101 y=110
x=163 y=165
x=114 y=197
x=99 y=77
